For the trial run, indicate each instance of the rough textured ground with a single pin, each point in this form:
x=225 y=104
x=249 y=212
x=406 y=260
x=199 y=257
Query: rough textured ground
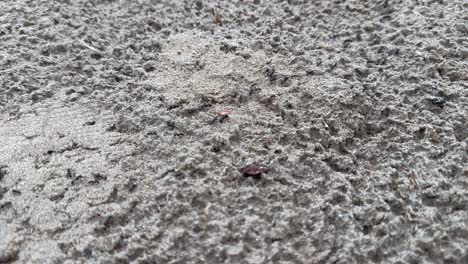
x=108 y=152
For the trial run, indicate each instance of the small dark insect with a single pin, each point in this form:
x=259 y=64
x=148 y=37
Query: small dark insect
x=253 y=171
x=220 y=116
x=3 y=172
x=438 y=101
x=70 y=173
x=90 y=123
x=217 y=20
x=223 y=115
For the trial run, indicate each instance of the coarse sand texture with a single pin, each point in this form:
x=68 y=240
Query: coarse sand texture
x=242 y=131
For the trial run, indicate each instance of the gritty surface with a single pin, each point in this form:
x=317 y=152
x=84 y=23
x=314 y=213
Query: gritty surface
x=112 y=148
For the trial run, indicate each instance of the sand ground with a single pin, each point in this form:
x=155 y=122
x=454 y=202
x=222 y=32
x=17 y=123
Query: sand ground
x=111 y=150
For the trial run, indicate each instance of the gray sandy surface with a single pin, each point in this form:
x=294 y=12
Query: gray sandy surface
x=111 y=150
